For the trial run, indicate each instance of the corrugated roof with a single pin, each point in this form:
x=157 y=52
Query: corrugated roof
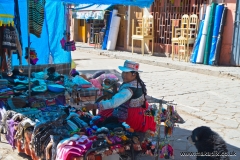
x=93 y=7
x=139 y=3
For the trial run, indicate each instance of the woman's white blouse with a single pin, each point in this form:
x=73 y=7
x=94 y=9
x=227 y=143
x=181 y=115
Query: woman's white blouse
x=123 y=95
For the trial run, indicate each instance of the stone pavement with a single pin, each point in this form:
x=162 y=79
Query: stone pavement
x=6 y=152
x=202 y=99
x=219 y=71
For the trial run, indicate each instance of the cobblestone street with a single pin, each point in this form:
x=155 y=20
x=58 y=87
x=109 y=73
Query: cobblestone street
x=202 y=99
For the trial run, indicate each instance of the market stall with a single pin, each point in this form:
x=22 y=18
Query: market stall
x=53 y=125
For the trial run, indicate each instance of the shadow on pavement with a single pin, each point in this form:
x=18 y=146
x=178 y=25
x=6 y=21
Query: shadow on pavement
x=178 y=140
x=180 y=144
x=23 y=155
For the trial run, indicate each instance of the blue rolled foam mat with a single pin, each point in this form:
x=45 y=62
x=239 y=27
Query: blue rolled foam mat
x=209 y=33
x=197 y=43
x=215 y=52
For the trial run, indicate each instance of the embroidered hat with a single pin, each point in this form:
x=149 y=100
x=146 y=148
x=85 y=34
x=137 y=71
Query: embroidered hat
x=130 y=66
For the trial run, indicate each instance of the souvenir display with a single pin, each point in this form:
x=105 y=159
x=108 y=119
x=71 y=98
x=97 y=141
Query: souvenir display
x=51 y=124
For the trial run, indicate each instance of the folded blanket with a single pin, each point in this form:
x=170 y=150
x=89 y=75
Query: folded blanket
x=81 y=82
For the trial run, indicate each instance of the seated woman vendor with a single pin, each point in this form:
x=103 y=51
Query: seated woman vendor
x=129 y=104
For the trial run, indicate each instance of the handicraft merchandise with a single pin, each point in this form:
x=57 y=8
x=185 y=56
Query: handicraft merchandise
x=66 y=43
x=33 y=56
x=50 y=128
x=9 y=44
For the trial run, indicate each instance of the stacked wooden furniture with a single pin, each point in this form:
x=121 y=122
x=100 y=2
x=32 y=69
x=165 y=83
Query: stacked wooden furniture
x=144 y=32
x=164 y=12
x=95 y=27
x=185 y=35
x=176 y=33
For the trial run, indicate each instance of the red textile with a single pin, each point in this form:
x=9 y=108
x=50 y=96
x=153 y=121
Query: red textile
x=136 y=119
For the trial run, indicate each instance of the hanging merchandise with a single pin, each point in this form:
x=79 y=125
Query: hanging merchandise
x=36 y=16
x=174 y=117
x=3 y=63
x=9 y=41
x=70 y=46
x=169 y=122
x=9 y=44
x=66 y=43
x=33 y=56
x=63 y=41
x=167 y=152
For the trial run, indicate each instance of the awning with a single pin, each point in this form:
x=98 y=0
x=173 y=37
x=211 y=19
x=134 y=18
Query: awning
x=88 y=11
x=139 y=3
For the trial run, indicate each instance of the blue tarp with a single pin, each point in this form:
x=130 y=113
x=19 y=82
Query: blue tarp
x=53 y=29
x=197 y=43
x=105 y=38
x=52 y=32
x=86 y=11
x=217 y=21
x=139 y=3
x=91 y=7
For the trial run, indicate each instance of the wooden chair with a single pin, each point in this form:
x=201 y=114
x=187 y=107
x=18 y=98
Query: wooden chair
x=188 y=30
x=96 y=40
x=176 y=33
x=182 y=50
x=191 y=33
x=144 y=32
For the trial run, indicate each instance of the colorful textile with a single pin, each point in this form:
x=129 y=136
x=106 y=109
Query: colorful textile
x=131 y=94
x=36 y=16
x=138 y=121
x=9 y=38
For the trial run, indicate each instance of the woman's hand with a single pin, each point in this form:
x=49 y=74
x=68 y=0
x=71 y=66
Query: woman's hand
x=89 y=107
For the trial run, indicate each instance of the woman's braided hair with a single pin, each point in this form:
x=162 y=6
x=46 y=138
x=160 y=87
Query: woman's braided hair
x=142 y=84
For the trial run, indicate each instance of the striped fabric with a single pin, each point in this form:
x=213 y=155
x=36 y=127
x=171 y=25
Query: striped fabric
x=36 y=16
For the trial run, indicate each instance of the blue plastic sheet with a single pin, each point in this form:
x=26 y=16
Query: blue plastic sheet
x=105 y=40
x=217 y=21
x=197 y=43
x=56 y=25
x=139 y=3
x=85 y=11
x=52 y=32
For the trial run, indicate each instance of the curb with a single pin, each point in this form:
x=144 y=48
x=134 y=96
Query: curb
x=164 y=64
